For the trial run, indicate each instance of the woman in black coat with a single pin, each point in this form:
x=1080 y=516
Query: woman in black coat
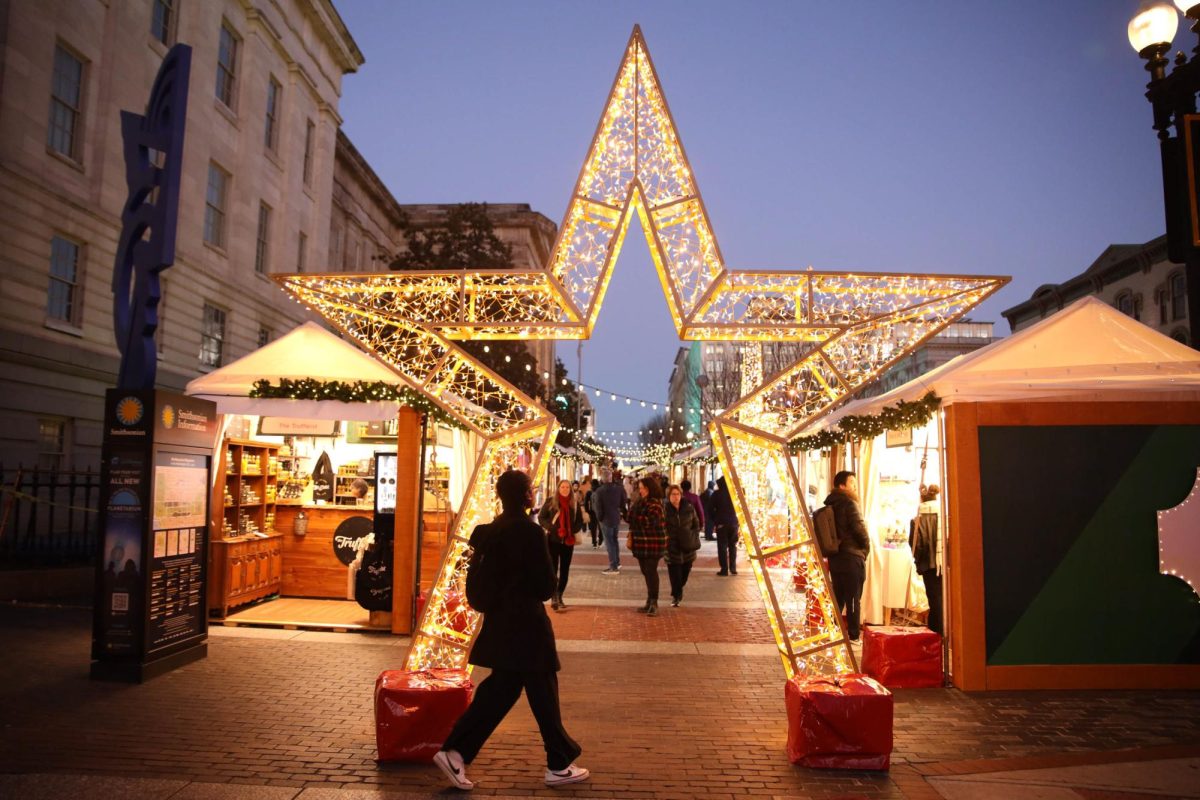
x=516 y=642
x=562 y=518
x=683 y=540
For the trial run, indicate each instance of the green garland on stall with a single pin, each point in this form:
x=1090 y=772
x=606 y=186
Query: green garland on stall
x=902 y=416
x=354 y=392
x=587 y=458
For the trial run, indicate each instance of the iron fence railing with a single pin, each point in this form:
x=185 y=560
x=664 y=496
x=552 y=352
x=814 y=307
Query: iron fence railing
x=48 y=516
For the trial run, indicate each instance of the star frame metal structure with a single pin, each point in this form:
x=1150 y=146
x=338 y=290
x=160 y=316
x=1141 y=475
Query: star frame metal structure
x=854 y=325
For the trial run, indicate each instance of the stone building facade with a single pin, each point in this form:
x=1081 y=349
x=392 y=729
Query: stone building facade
x=1136 y=279
x=256 y=195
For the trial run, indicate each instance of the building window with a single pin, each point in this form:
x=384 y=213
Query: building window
x=309 y=132
x=212 y=336
x=162 y=21
x=159 y=341
x=66 y=100
x=271 y=134
x=227 y=53
x=1161 y=297
x=265 y=335
x=1180 y=335
x=62 y=300
x=52 y=443
x=1178 y=291
x=300 y=252
x=335 y=243
x=214 y=205
x=262 y=239
x=1125 y=303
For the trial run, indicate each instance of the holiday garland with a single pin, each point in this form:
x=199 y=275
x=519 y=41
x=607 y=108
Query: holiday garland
x=354 y=392
x=902 y=416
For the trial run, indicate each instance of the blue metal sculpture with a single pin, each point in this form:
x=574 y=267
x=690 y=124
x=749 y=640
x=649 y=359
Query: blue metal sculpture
x=153 y=171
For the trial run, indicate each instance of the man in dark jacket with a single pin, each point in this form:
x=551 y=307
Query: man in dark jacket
x=725 y=518
x=710 y=522
x=848 y=567
x=516 y=642
x=608 y=503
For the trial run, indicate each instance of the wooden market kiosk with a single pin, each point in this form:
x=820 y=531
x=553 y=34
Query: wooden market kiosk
x=1061 y=446
x=271 y=539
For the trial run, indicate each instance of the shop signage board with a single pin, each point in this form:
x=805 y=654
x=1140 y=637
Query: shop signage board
x=286 y=426
x=155 y=488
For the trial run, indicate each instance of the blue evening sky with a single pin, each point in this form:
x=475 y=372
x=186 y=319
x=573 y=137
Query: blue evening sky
x=1005 y=138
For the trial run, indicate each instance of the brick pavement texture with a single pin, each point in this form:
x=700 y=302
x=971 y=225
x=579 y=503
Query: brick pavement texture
x=296 y=713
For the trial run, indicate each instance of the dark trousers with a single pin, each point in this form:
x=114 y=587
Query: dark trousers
x=597 y=536
x=560 y=557
x=709 y=526
x=678 y=573
x=847 y=590
x=493 y=700
x=650 y=573
x=933 y=588
x=727 y=536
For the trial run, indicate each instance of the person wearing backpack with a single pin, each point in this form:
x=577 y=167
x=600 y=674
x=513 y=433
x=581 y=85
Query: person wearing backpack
x=515 y=641
x=848 y=567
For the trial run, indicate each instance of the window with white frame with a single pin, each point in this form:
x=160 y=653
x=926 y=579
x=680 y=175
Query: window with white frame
x=62 y=298
x=262 y=240
x=215 y=199
x=66 y=104
x=265 y=335
x=310 y=130
x=212 y=336
x=271 y=132
x=52 y=443
x=227 y=58
x=162 y=20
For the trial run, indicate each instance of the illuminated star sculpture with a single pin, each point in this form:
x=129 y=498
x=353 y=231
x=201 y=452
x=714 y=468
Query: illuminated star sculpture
x=853 y=325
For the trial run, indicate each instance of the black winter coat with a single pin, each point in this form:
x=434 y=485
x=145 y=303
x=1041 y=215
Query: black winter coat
x=517 y=635
x=722 y=505
x=854 y=544
x=683 y=532
x=548 y=519
x=923 y=538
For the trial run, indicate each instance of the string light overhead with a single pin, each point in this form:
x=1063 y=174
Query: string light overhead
x=854 y=324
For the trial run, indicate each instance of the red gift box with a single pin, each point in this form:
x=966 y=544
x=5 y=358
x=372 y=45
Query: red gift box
x=903 y=658
x=842 y=722
x=414 y=711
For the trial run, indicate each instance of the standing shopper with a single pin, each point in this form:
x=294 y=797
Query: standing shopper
x=683 y=540
x=608 y=502
x=848 y=566
x=648 y=537
x=516 y=642
x=691 y=497
x=710 y=521
x=589 y=514
x=726 y=521
x=923 y=539
x=562 y=518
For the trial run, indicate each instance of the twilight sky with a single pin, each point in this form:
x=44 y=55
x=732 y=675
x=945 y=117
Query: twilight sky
x=1004 y=138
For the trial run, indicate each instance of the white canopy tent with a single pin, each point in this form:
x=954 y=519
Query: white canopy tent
x=309 y=351
x=1087 y=351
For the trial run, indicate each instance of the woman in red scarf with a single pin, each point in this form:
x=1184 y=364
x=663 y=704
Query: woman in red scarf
x=561 y=518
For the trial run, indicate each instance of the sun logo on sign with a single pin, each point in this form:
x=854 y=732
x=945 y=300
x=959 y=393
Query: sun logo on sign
x=130 y=410
x=168 y=417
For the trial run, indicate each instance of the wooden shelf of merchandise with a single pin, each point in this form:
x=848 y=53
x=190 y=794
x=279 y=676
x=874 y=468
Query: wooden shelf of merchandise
x=243 y=566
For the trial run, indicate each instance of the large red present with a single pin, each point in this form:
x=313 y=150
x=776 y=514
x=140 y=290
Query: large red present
x=414 y=711
x=842 y=722
x=903 y=658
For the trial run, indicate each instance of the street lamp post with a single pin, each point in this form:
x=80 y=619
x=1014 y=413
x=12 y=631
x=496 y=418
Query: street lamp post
x=1173 y=98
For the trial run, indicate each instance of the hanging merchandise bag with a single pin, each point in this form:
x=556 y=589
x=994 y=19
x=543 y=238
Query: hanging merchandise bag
x=322 y=477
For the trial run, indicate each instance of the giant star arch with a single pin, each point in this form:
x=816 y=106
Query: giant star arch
x=853 y=326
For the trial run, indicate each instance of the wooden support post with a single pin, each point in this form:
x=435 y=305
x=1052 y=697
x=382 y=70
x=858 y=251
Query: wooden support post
x=408 y=488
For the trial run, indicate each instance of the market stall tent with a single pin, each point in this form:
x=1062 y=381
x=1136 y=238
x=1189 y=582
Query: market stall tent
x=1061 y=444
x=308 y=351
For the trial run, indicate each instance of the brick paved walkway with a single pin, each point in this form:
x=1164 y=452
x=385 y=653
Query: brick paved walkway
x=681 y=706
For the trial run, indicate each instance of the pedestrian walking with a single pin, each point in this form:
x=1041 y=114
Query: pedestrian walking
x=726 y=523
x=516 y=642
x=923 y=539
x=683 y=540
x=608 y=502
x=562 y=518
x=648 y=537
x=686 y=487
x=588 y=487
x=710 y=520
x=848 y=566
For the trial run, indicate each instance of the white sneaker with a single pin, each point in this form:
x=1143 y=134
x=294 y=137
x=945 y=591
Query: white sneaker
x=451 y=763
x=571 y=774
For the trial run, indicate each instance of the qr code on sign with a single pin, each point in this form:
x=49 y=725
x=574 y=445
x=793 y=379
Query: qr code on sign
x=120 y=601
